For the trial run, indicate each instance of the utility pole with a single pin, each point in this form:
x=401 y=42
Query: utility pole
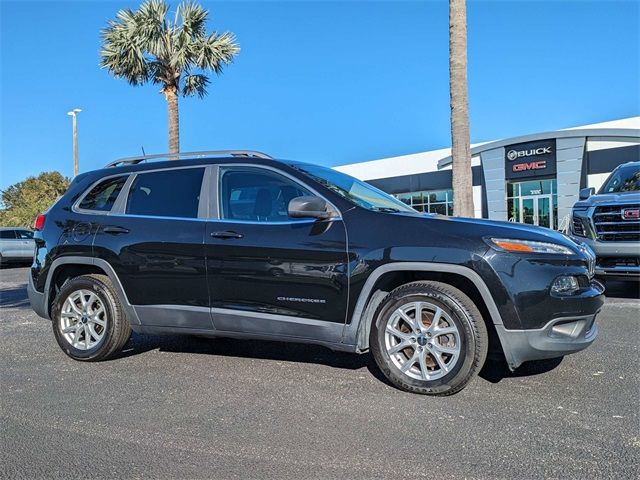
x=73 y=114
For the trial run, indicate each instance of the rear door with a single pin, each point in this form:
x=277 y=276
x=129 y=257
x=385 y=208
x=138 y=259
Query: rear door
x=269 y=273
x=27 y=244
x=10 y=245
x=154 y=242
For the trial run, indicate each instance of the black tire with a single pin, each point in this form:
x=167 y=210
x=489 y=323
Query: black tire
x=116 y=331
x=458 y=309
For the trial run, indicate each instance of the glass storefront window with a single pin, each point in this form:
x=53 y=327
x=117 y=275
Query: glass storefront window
x=534 y=202
x=435 y=201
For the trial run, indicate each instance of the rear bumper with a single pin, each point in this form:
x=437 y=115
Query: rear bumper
x=37 y=299
x=559 y=337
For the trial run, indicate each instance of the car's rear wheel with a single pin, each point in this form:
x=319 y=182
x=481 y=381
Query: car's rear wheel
x=88 y=321
x=429 y=337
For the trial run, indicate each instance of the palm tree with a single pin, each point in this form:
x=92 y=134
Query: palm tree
x=460 y=149
x=144 y=45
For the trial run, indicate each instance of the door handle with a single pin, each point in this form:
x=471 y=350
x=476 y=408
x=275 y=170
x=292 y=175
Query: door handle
x=114 y=230
x=226 y=235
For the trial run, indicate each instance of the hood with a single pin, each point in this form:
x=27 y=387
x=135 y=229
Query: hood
x=609 y=199
x=481 y=229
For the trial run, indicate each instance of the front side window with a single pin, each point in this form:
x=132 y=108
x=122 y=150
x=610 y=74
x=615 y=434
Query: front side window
x=102 y=197
x=258 y=195
x=167 y=193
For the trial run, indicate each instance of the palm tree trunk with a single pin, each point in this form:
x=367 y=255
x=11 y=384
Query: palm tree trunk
x=460 y=149
x=171 y=96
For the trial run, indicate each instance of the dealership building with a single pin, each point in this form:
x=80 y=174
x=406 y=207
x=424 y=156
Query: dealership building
x=531 y=179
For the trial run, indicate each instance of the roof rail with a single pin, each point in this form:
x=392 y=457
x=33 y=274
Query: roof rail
x=182 y=155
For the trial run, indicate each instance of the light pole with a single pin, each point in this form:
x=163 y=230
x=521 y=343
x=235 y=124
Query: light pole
x=73 y=114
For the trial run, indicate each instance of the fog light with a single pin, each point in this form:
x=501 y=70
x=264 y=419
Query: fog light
x=565 y=285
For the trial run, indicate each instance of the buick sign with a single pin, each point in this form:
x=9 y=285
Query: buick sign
x=515 y=154
x=531 y=159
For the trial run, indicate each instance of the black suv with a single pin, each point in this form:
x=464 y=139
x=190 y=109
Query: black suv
x=236 y=244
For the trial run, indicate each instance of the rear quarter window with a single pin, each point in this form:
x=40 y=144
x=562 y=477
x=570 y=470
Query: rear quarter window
x=167 y=193
x=102 y=196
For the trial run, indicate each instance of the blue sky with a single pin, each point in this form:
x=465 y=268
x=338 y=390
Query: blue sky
x=326 y=82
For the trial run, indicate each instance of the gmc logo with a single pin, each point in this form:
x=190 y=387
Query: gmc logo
x=521 y=167
x=631 y=213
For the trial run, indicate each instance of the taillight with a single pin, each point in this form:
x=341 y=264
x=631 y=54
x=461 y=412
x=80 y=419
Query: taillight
x=39 y=223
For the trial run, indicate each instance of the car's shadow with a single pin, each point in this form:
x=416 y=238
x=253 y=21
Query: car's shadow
x=630 y=289
x=14 y=297
x=494 y=370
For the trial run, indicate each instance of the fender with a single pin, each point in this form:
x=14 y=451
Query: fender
x=357 y=332
x=105 y=267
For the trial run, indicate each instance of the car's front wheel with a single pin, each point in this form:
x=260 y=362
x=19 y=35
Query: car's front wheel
x=87 y=318
x=429 y=337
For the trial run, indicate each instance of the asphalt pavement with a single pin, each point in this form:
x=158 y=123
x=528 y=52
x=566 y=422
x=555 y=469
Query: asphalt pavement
x=185 y=407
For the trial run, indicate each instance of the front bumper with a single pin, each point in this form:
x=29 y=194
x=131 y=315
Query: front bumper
x=557 y=338
x=37 y=299
x=613 y=258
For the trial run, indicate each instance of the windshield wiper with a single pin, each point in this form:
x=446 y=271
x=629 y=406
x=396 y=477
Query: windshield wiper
x=386 y=209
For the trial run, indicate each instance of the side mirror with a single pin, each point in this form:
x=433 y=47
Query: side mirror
x=586 y=193
x=309 y=207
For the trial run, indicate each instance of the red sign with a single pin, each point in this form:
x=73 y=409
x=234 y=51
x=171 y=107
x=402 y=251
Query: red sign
x=521 y=167
x=631 y=213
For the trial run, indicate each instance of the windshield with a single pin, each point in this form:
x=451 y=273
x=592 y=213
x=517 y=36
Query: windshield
x=354 y=190
x=624 y=179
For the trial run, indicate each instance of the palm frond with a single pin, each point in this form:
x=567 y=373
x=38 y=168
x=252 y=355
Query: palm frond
x=195 y=84
x=215 y=51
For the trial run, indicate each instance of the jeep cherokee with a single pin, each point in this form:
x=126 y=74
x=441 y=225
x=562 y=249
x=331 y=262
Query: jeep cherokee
x=237 y=244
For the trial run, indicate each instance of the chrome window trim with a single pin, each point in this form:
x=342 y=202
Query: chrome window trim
x=279 y=172
x=210 y=211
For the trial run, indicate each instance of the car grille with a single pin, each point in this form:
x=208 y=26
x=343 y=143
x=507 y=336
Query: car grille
x=578 y=227
x=612 y=227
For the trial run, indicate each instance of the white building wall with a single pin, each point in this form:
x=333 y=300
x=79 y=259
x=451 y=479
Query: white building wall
x=596 y=180
x=569 y=153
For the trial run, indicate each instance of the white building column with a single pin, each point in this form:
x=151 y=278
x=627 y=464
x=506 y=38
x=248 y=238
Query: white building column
x=495 y=184
x=569 y=153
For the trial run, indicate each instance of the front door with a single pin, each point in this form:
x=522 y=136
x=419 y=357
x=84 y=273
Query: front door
x=269 y=273
x=536 y=210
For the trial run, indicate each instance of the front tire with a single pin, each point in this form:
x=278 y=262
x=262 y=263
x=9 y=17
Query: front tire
x=88 y=320
x=429 y=338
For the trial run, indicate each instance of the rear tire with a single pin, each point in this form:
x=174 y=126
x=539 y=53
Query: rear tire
x=88 y=320
x=440 y=354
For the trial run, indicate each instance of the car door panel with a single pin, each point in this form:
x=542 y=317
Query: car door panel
x=269 y=273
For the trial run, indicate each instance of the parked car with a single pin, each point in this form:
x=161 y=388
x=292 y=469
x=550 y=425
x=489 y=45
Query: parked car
x=609 y=222
x=16 y=245
x=241 y=245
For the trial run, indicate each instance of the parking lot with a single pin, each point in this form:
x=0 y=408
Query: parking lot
x=195 y=408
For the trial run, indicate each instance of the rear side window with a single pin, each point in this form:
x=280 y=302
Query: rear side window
x=5 y=234
x=24 y=234
x=169 y=193
x=102 y=197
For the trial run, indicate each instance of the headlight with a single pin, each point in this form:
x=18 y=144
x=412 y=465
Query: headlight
x=528 y=246
x=565 y=285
